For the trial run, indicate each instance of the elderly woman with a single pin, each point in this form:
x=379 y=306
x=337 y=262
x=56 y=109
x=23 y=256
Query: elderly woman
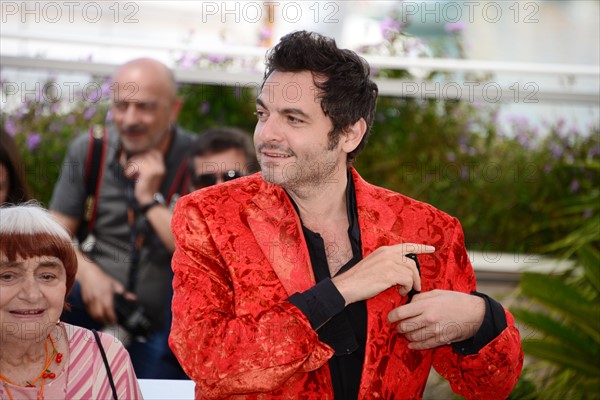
x=40 y=357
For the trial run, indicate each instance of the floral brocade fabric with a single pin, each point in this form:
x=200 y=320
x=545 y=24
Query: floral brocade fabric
x=240 y=254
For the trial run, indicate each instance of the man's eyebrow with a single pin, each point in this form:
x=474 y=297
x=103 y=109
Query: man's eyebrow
x=134 y=101
x=294 y=111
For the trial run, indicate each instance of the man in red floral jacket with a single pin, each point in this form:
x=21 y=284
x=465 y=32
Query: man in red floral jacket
x=302 y=282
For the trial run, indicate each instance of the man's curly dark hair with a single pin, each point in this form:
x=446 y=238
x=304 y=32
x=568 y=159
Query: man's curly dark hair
x=345 y=90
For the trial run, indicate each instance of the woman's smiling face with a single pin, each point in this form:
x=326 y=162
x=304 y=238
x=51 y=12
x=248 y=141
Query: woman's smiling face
x=32 y=295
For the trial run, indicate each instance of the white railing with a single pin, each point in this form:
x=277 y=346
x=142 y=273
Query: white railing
x=561 y=83
x=438 y=64
x=498 y=266
x=165 y=389
x=527 y=82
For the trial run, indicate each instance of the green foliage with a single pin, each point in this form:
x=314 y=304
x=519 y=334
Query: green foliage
x=42 y=127
x=565 y=309
x=525 y=388
x=208 y=106
x=568 y=330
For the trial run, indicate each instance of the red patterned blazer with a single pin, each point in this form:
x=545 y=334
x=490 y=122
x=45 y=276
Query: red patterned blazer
x=240 y=254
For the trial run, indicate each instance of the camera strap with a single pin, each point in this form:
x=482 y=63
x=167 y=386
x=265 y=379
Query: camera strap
x=137 y=234
x=94 y=163
x=138 y=231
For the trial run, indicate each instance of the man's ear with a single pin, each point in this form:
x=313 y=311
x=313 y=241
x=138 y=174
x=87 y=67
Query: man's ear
x=353 y=135
x=175 y=109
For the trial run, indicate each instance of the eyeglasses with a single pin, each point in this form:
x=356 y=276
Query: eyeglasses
x=205 y=180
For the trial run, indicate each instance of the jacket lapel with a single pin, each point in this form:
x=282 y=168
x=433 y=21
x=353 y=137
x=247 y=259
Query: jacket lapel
x=375 y=217
x=278 y=232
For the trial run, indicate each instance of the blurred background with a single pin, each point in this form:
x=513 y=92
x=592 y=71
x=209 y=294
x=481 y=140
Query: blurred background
x=490 y=110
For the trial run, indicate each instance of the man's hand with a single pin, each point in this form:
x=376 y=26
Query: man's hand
x=438 y=317
x=148 y=169
x=386 y=267
x=97 y=291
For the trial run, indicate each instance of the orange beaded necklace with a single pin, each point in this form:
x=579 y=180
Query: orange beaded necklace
x=45 y=374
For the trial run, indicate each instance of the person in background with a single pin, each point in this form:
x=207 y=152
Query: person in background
x=13 y=184
x=124 y=271
x=303 y=281
x=41 y=357
x=220 y=155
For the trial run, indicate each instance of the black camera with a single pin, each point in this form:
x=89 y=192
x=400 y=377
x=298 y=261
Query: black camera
x=132 y=316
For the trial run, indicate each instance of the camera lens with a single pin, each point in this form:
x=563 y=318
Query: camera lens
x=132 y=317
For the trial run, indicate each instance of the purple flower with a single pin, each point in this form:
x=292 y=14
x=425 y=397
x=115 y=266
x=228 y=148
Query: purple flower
x=89 y=113
x=557 y=150
x=587 y=213
x=388 y=27
x=362 y=49
x=518 y=120
x=106 y=89
x=523 y=140
x=204 y=107
x=55 y=127
x=10 y=127
x=455 y=27
x=33 y=141
x=21 y=111
x=464 y=173
x=71 y=119
x=594 y=152
x=574 y=186
x=217 y=58
x=265 y=33
x=415 y=46
x=187 y=61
